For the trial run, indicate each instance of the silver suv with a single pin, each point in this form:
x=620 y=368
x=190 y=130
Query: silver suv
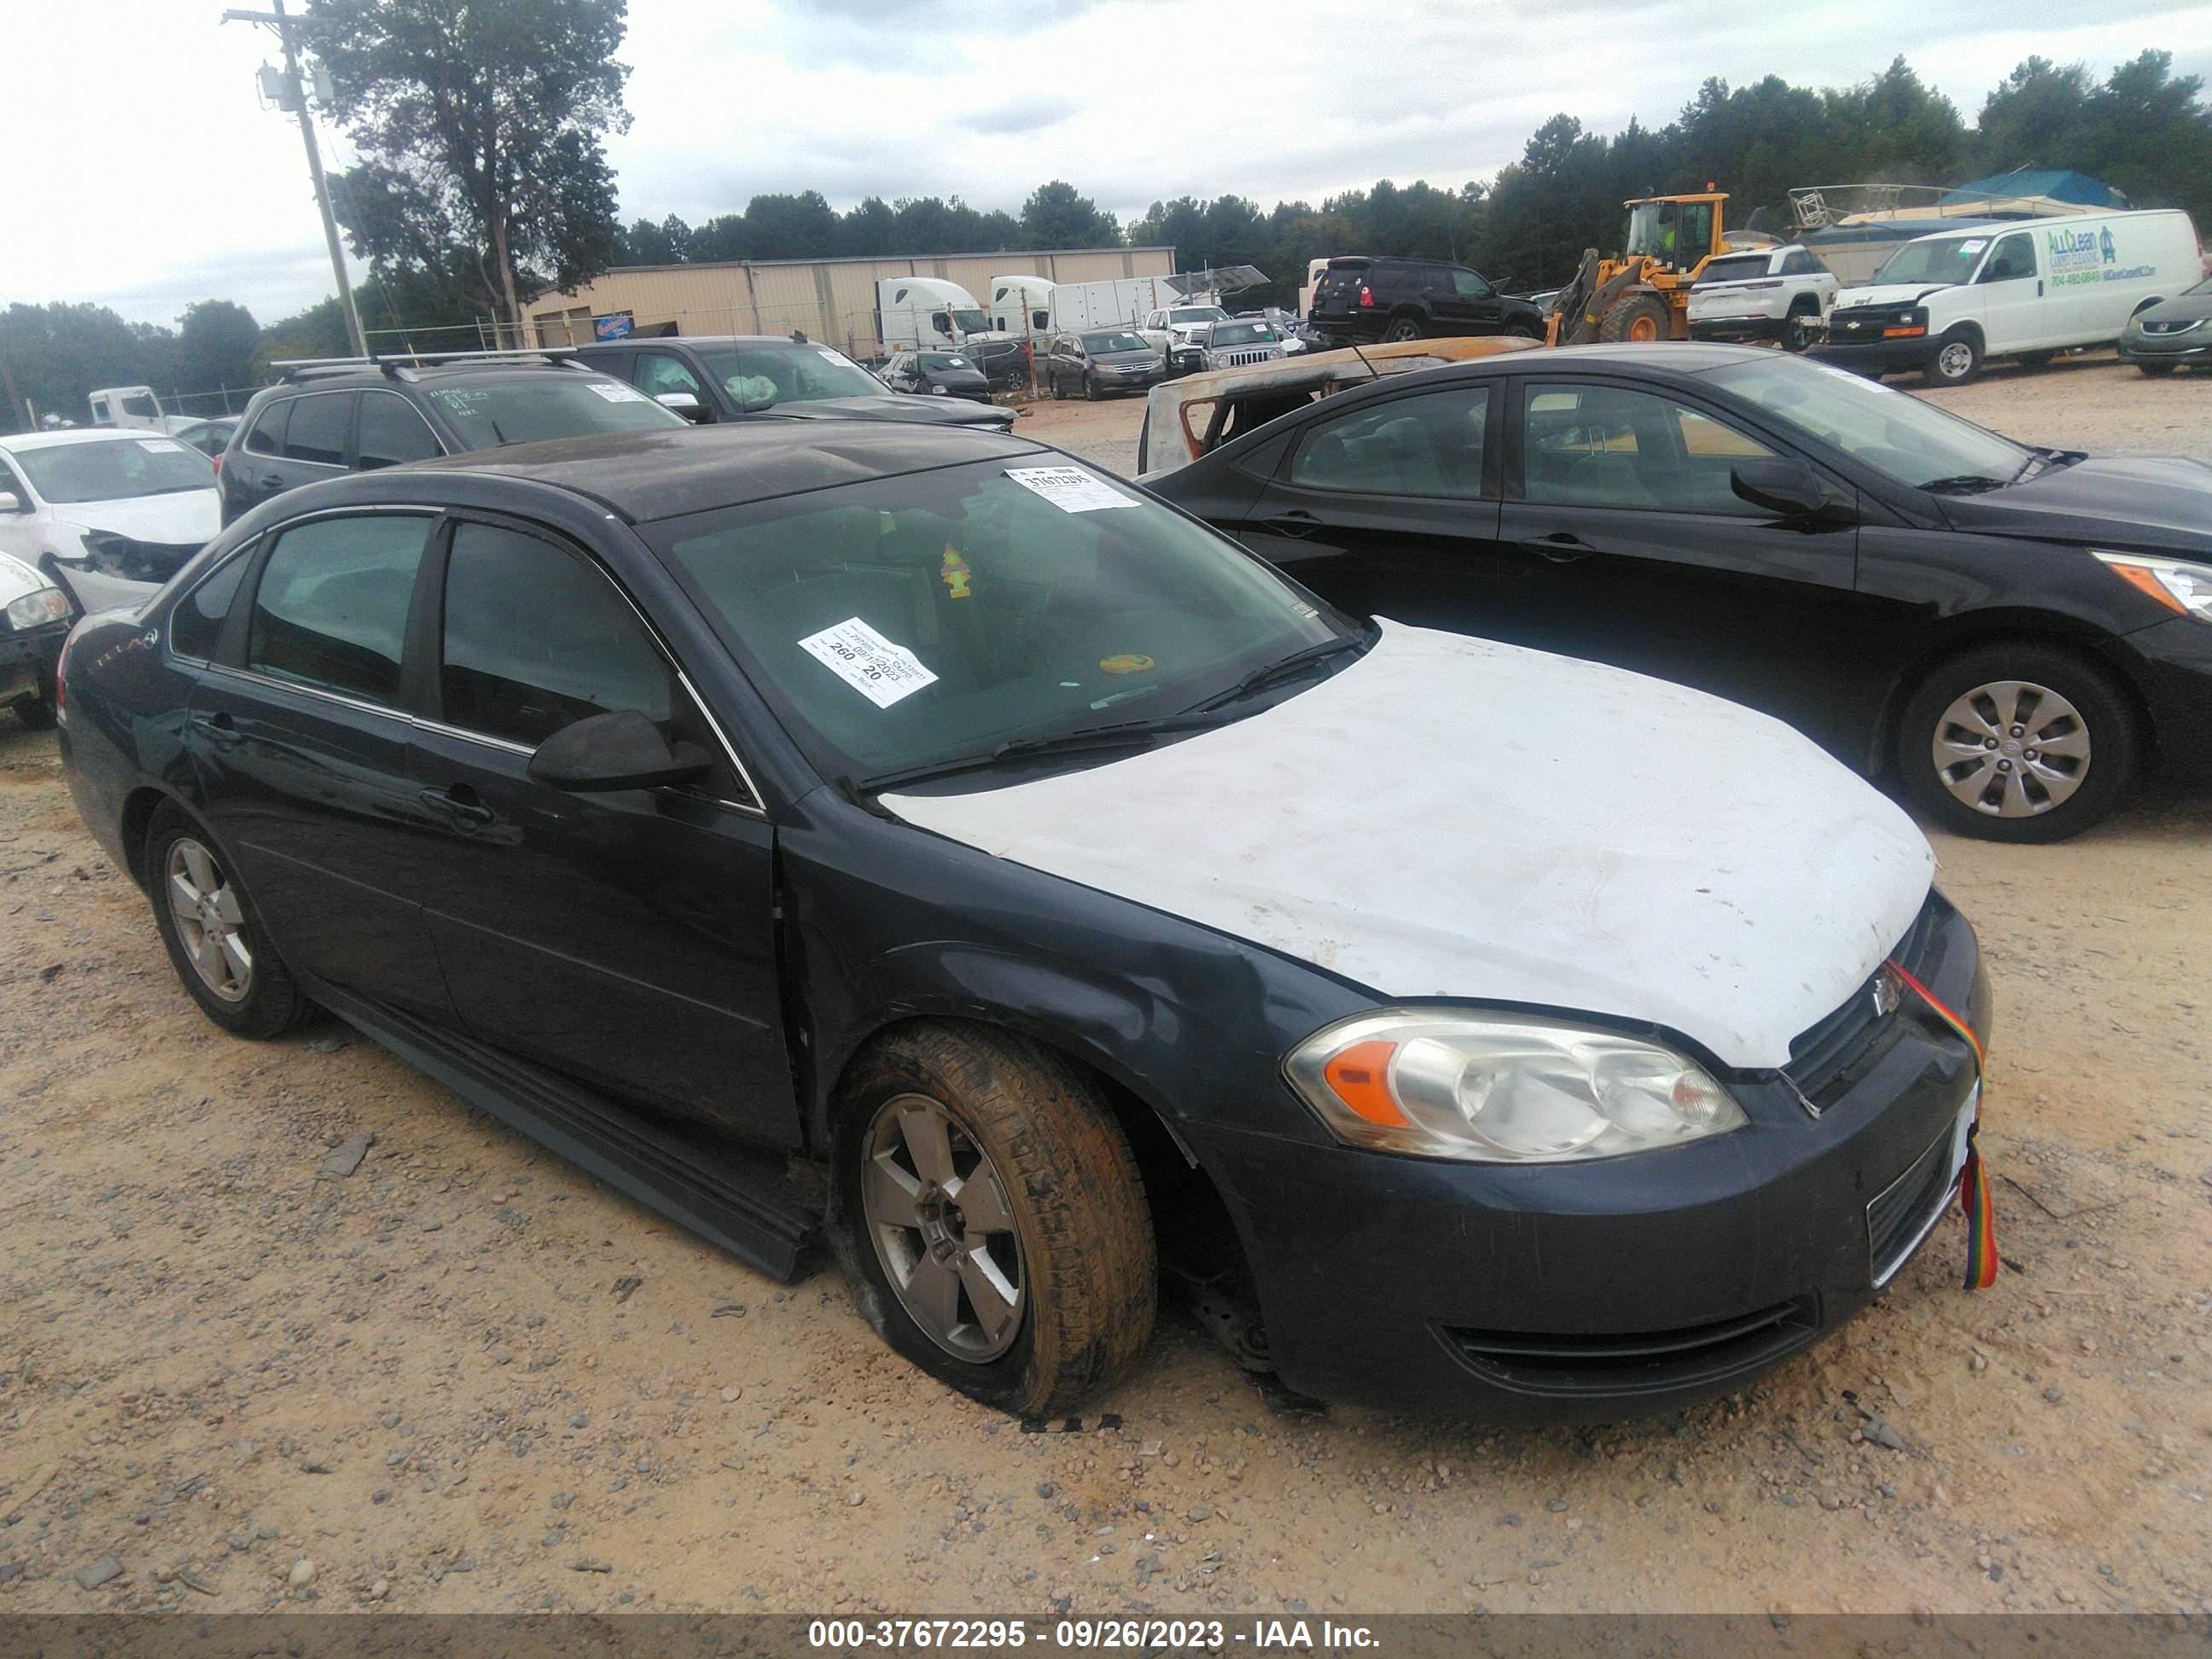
x=1241 y=340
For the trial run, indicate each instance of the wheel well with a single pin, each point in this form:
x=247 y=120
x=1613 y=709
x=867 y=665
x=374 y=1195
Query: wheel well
x=138 y=810
x=2153 y=300
x=1191 y=1221
x=1976 y=638
x=1966 y=330
x=1804 y=302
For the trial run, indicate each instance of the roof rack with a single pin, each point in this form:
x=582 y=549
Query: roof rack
x=402 y=365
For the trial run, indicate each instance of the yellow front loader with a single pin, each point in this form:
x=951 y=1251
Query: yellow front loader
x=1645 y=293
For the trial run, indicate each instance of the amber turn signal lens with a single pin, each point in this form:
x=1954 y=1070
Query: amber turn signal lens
x=1360 y=1077
x=2137 y=576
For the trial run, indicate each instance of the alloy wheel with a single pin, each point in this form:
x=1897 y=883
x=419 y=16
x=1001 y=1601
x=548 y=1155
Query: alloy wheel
x=943 y=1228
x=2011 y=749
x=210 y=923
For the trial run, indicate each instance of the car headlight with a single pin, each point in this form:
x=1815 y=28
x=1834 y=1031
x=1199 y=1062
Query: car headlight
x=939 y=391
x=2174 y=583
x=38 y=608
x=1503 y=1088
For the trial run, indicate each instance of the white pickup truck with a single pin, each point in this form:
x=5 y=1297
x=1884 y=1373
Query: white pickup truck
x=1174 y=331
x=1780 y=293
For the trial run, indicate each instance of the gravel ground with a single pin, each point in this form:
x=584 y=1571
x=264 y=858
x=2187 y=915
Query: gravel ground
x=466 y=1378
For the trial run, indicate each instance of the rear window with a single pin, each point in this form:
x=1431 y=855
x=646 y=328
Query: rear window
x=317 y=432
x=558 y=404
x=1733 y=269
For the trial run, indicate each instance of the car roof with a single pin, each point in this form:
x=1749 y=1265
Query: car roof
x=697 y=340
x=76 y=435
x=664 y=474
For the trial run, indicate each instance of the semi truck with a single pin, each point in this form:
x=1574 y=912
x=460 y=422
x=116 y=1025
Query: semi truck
x=928 y=313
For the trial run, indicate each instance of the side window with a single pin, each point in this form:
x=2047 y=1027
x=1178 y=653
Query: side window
x=267 y=437
x=1469 y=286
x=196 y=620
x=331 y=606
x=658 y=372
x=1428 y=444
x=1040 y=320
x=318 y=428
x=537 y=639
x=392 y=433
x=1594 y=445
x=2013 y=259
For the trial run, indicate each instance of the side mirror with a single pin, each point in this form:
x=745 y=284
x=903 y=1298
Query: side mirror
x=11 y=503
x=1787 y=488
x=619 y=751
x=685 y=403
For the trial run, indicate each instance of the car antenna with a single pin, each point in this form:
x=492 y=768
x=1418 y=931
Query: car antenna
x=799 y=337
x=1373 y=373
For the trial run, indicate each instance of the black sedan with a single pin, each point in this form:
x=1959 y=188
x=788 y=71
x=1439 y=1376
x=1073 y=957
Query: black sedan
x=937 y=373
x=920 y=842
x=2015 y=634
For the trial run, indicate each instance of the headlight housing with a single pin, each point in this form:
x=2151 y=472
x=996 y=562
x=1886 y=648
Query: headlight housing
x=939 y=391
x=38 y=608
x=1497 y=1088
x=2177 y=583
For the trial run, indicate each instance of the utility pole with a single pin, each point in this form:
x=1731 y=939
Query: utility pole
x=293 y=95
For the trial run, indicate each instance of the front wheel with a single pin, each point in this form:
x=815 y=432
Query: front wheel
x=1636 y=317
x=2154 y=369
x=2021 y=742
x=1957 y=361
x=989 y=1217
x=214 y=936
x=1090 y=389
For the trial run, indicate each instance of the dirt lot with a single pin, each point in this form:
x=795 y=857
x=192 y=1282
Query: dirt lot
x=423 y=1380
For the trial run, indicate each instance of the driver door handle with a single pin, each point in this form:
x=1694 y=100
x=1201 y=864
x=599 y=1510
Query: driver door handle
x=1560 y=547
x=458 y=803
x=1296 y=522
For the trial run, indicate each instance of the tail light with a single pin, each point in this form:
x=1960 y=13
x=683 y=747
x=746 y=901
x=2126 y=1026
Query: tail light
x=1771 y=282
x=218 y=459
x=1367 y=296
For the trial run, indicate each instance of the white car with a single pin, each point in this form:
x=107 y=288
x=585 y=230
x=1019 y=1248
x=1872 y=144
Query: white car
x=108 y=515
x=1780 y=293
x=1172 y=331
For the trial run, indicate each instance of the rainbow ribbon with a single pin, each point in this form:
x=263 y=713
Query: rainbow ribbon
x=1974 y=1197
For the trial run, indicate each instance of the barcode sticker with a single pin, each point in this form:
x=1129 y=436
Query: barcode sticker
x=1070 y=489
x=880 y=670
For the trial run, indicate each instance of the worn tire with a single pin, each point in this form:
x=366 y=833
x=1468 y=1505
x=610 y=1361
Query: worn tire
x=1636 y=317
x=1956 y=359
x=37 y=713
x=1404 y=326
x=1088 y=1259
x=273 y=1003
x=2102 y=708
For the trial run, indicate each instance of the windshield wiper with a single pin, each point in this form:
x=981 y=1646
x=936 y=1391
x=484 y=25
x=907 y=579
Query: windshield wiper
x=1122 y=734
x=1964 y=483
x=1259 y=678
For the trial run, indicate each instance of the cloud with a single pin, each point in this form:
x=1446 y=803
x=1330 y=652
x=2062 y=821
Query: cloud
x=1018 y=115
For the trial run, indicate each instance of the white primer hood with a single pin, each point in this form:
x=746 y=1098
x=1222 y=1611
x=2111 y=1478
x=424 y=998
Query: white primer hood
x=1447 y=816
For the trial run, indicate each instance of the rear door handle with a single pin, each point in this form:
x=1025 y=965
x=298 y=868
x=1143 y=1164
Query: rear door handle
x=1560 y=547
x=219 y=729
x=459 y=804
x=1296 y=522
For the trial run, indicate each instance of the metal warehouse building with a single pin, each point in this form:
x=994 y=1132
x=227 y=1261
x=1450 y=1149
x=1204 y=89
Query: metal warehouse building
x=831 y=299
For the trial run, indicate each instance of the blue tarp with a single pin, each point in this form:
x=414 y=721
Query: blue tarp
x=2058 y=184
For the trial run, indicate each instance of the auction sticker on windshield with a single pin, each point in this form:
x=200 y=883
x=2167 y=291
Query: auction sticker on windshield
x=1070 y=489
x=880 y=670
x=619 y=394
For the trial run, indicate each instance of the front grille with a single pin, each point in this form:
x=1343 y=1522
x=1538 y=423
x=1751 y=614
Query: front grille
x=1239 y=359
x=1903 y=1213
x=1827 y=1058
x=2181 y=327
x=1645 y=1362
x=1864 y=322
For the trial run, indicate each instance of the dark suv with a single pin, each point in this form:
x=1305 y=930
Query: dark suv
x=1362 y=298
x=711 y=378
x=329 y=416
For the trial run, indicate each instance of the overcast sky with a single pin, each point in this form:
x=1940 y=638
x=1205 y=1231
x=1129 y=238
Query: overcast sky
x=158 y=181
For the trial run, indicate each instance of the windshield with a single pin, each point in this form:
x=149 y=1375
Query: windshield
x=1665 y=230
x=1733 y=271
x=113 y=469
x=971 y=322
x=1898 y=436
x=1197 y=315
x=1939 y=260
x=1118 y=340
x=488 y=414
x=946 y=360
x=784 y=372
x=908 y=620
x=1229 y=334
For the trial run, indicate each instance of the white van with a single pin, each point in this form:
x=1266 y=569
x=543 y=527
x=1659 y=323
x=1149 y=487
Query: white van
x=1946 y=304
